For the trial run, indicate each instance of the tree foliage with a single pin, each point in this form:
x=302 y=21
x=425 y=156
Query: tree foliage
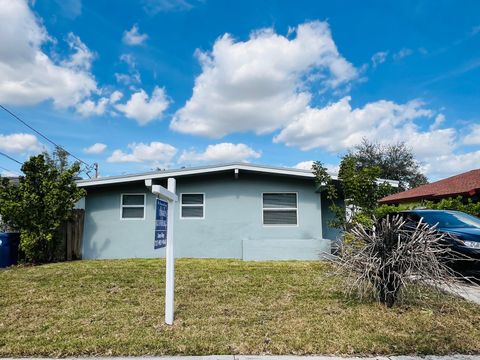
x=395 y=161
x=40 y=203
x=359 y=187
x=360 y=180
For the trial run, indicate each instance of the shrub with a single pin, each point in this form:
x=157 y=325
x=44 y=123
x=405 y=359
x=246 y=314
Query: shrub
x=461 y=204
x=42 y=201
x=392 y=255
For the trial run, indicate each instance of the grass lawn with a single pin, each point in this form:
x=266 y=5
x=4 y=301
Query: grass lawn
x=222 y=307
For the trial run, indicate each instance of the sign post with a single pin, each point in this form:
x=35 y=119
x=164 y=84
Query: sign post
x=170 y=259
x=164 y=238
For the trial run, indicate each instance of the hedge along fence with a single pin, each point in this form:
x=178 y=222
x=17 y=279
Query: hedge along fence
x=70 y=237
x=459 y=203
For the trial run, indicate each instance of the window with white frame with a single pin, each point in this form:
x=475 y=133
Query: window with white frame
x=132 y=206
x=280 y=208
x=192 y=206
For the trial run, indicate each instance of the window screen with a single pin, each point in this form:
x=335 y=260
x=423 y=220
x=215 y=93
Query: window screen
x=193 y=206
x=133 y=206
x=280 y=209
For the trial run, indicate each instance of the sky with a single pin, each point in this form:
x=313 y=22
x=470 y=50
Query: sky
x=152 y=84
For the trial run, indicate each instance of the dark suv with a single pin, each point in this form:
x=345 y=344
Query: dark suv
x=465 y=231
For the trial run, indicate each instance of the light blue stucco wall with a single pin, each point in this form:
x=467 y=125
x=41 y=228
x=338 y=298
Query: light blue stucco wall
x=232 y=223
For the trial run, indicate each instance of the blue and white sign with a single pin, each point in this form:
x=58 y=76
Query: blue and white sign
x=161 y=219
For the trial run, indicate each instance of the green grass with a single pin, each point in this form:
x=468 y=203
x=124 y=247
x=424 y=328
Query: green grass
x=222 y=307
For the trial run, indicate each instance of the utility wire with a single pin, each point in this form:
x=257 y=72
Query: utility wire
x=89 y=167
x=9 y=157
x=9 y=171
x=43 y=136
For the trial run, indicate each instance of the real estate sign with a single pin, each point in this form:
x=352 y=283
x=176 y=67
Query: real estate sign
x=161 y=223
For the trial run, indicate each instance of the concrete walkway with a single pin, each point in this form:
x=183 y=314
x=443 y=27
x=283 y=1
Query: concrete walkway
x=466 y=291
x=275 y=357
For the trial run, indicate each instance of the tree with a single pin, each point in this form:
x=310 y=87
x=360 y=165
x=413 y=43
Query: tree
x=40 y=203
x=359 y=187
x=395 y=161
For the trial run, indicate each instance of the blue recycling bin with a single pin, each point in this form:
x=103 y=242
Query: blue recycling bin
x=9 y=249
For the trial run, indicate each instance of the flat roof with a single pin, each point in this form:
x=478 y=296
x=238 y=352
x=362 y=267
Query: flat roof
x=198 y=170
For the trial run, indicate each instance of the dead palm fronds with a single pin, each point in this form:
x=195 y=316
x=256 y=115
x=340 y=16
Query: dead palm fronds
x=394 y=254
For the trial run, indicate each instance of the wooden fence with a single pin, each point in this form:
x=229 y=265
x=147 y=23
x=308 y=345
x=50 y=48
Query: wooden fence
x=72 y=235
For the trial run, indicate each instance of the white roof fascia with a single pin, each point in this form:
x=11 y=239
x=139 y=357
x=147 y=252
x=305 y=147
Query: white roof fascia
x=195 y=171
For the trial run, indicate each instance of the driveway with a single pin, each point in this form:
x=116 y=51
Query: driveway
x=469 y=292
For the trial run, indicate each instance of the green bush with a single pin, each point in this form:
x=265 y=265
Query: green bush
x=461 y=204
x=465 y=205
x=39 y=204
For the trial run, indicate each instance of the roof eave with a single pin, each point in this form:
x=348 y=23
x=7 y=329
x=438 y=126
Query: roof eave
x=196 y=171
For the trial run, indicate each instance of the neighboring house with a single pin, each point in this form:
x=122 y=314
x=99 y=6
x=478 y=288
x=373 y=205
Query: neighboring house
x=466 y=185
x=239 y=211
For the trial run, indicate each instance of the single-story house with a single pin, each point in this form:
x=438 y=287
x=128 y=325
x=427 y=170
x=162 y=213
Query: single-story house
x=238 y=210
x=466 y=185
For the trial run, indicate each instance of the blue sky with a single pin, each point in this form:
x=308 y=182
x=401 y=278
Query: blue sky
x=170 y=83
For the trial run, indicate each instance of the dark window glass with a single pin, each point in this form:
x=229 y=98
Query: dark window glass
x=192 y=199
x=192 y=211
x=279 y=200
x=280 y=217
x=450 y=219
x=132 y=212
x=133 y=200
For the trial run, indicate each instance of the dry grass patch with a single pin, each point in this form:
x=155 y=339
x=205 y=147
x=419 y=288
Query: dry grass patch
x=222 y=307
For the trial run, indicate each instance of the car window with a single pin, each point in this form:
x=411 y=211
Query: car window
x=450 y=219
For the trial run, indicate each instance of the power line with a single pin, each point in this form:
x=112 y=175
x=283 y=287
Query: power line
x=9 y=171
x=43 y=136
x=11 y=158
x=89 y=167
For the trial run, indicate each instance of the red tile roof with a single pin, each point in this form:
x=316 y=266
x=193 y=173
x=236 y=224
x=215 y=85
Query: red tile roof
x=467 y=184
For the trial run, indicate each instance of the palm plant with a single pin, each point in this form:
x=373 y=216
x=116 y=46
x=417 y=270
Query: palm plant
x=393 y=255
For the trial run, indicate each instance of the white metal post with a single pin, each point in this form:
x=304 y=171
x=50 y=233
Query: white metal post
x=170 y=259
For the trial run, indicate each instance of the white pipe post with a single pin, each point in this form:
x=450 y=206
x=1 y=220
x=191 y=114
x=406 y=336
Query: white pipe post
x=170 y=259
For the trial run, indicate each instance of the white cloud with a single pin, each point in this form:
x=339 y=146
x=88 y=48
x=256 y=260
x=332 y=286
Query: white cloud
x=221 y=153
x=96 y=148
x=153 y=7
x=156 y=153
x=473 y=136
x=261 y=84
x=403 y=53
x=144 y=109
x=8 y=173
x=429 y=143
x=28 y=75
x=90 y=107
x=81 y=58
x=439 y=120
x=115 y=97
x=133 y=36
x=439 y=167
x=70 y=8
x=128 y=79
x=20 y=143
x=133 y=75
x=337 y=126
x=379 y=58
x=307 y=165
